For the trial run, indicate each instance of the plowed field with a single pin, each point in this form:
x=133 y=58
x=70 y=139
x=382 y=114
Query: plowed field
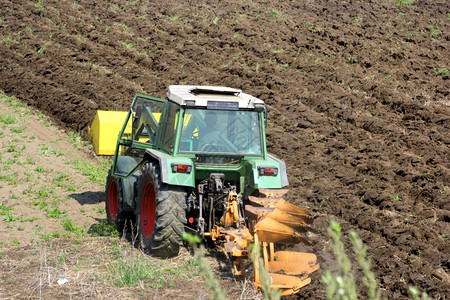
x=358 y=97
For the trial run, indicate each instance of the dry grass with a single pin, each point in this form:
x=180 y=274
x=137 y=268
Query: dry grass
x=91 y=267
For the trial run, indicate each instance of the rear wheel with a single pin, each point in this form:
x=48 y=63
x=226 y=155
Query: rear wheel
x=112 y=198
x=160 y=213
x=114 y=213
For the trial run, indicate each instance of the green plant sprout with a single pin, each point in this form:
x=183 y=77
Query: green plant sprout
x=341 y=285
x=211 y=281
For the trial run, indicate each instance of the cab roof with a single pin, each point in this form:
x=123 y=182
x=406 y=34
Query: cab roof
x=216 y=97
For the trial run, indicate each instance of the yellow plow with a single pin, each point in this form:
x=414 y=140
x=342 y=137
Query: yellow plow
x=271 y=220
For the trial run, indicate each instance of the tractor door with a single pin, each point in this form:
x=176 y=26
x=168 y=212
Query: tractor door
x=142 y=130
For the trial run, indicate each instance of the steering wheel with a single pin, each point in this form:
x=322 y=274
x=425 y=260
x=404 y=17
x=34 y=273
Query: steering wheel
x=210 y=147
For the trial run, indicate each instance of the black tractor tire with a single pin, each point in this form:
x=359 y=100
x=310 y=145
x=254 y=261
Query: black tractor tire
x=160 y=213
x=113 y=192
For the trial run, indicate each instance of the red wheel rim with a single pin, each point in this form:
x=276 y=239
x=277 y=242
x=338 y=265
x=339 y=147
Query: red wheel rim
x=148 y=210
x=113 y=201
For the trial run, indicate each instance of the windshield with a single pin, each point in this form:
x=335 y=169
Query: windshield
x=219 y=131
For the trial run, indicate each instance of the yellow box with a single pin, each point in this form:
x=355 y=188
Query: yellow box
x=105 y=129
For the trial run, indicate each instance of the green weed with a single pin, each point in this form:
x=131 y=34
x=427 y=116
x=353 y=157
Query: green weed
x=341 y=285
x=25 y=113
x=76 y=140
x=12 y=179
x=10 y=39
x=369 y=278
x=95 y=173
x=396 y=197
x=434 y=32
x=56 y=152
x=48 y=237
x=210 y=280
x=9 y=218
x=353 y=61
x=23 y=220
x=42 y=49
x=322 y=202
x=277 y=14
x=40 y=5
x=60 y=179
x=104 y=229
x=54 y=213
x=69 y=226
x=42 y=194
x=41 y=204
x=61 y=259
x=7 y=119
x=11 y=148
x=126 y=28
x=30 y=31
x=43 y=150
x=131 y=273
x=311 y=27
x=404 y=2
x=5 y=211
x=442 y=71
x=136 y=271
x=75 y=6
x=101 y=210
x=128 y=45
x=18 y=129
x=40 y=169
x=415 y=293
x=114 y=7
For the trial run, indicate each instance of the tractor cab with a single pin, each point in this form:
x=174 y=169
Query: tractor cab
x=206 y=128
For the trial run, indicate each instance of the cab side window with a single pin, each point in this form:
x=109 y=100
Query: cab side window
x=171 y=127
x=147 y=117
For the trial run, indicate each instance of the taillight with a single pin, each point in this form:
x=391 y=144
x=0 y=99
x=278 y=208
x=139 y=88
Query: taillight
x=267 y=171
x=180 y=168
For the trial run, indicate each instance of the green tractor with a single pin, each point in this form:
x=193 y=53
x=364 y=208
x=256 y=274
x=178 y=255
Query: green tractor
x=197 y=162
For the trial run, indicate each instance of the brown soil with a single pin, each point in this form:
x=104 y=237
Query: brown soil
x=44 y=186
x=357 y=91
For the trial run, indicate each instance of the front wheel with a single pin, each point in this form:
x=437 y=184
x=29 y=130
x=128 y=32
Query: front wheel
x=161 y=214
